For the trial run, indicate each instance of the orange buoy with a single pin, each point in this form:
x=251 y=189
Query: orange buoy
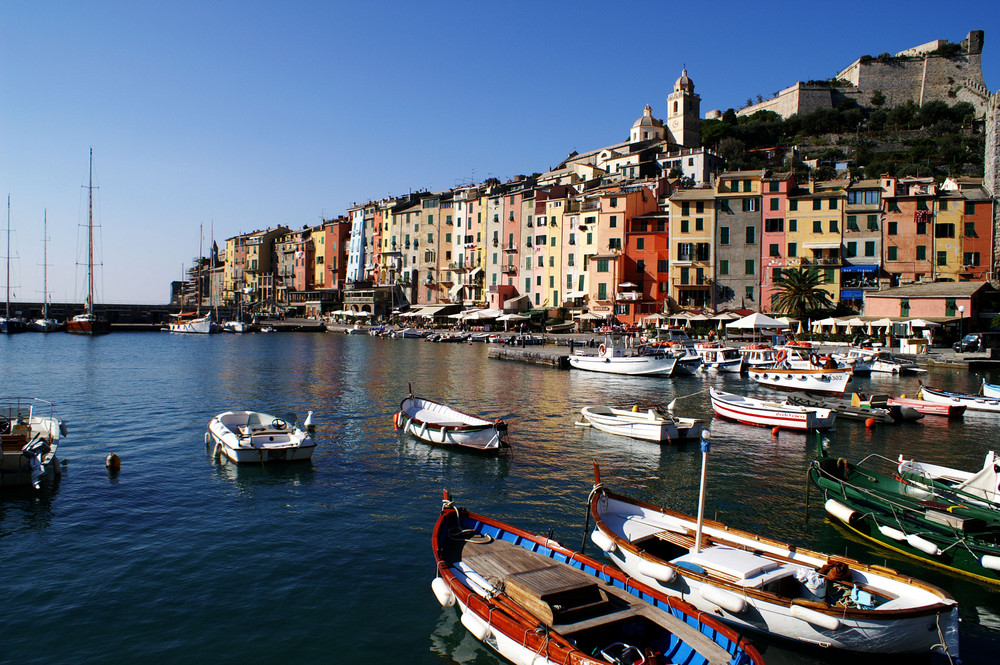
x=113 y=463
x=775 y=430
x=869 y=423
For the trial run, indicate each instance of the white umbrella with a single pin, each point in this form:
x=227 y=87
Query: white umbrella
x=756 y=321
x=512 y=317
x=921 y=323
x=587 y=316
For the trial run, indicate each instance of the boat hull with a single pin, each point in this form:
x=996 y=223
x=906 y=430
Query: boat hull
x=625 y=525
x=770 y=414
x=658 y=365
x=441 y=425
x=929 y=408
x=648 y=426
x=247 y=437
x=85 y=324
x=200 y=326
x=827 y=382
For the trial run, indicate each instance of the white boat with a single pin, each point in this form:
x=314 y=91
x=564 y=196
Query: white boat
x=827 y=381
x=981 y=486
x=887 y=363
x=860 y=360
x=649 y=425
x=764 y=413
x=356 y=329
x=765 y=585
x=409 y=333
x=990 y=389
x=715 y=356
x=971 y=402
x=253 y=437
x=436 y=423
x=235 y=326
x=29 y=436
x=614 y=357
x=758 y=355
x=189 y=323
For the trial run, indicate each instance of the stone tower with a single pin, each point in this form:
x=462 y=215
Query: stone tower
x=991 y=173
x=684 y=113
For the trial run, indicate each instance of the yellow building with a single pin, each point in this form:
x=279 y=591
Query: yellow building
x=815 y=232
x=692 y=246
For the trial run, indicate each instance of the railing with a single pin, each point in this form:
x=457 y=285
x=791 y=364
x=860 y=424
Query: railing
x=510 y=248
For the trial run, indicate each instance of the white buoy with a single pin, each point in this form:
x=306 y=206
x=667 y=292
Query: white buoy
x=442 y=592
x=814 y=617
x=475 y=625
x=308 y=423
x=658 y=571
x=602 y=540
x=722 y=598
x=923 y=544
x=839 y=510
x=895 y=534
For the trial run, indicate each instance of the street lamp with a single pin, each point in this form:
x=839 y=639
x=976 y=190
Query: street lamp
x=961 y=321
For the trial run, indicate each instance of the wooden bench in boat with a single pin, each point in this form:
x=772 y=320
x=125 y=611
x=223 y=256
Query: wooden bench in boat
x=564 y=598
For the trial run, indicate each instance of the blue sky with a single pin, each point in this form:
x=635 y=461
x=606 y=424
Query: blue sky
x=246 y=115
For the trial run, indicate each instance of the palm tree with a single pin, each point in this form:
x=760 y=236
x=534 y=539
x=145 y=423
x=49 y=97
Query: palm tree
x=800 y=290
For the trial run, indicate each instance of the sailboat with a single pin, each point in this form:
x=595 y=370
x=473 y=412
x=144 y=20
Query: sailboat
x=10 y=324
x=89 y=323
x=193 y=322
x=45 y=324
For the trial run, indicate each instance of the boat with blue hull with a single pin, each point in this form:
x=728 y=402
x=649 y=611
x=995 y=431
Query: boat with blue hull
x=534 y=601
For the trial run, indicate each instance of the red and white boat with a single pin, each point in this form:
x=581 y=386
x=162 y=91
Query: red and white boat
x=929 y=408
x=827 y=381
x=764 y=413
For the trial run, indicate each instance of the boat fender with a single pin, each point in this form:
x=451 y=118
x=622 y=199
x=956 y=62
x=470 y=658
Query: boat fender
x=423 y=430
x=923 y=544
x=724 y=599
x=815 y=618
x=603 y=540
x=840 y=511
x=601 y=349
x=442 y=592
x=658 y=571
x=479 y=629
x=895 y=534
x=990 y=561
x=396 y=419
x=206 y=438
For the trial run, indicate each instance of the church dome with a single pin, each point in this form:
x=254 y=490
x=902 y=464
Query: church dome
x=647 y=119
x=684 y=83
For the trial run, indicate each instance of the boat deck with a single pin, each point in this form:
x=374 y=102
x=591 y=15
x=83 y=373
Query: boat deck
x=567 y=599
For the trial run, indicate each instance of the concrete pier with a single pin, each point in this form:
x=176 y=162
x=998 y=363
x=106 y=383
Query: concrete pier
x=536 y=355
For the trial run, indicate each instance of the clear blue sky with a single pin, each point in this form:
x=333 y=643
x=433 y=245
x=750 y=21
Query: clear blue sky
x=246 y=115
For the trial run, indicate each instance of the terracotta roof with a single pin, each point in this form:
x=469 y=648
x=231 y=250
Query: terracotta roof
x=932 y=290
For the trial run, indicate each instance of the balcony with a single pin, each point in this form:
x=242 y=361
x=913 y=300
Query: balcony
x=509 y=269
x=510 y=248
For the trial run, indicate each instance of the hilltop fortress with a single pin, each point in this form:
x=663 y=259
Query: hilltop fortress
x=937 y=70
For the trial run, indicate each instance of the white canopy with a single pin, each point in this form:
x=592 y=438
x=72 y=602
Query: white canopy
x=829 y=321
x=512 y=317
x=921 y=323
x=756 y=321
x=482 y=314
x=698 y=317
x=656 y=317
x=590 y=317
x=882 y=323
x=725 y=316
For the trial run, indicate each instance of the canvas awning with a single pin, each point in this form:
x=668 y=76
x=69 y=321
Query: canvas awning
x=454 y=291
x=512 y=317
x=511 y=303
x=821 y=245
x=873 y=267
x=922 y=323
x=756 y=321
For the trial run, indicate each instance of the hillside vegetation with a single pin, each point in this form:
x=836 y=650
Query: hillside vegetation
x=935 y=139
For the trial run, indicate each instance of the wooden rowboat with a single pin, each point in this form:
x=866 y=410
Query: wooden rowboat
x=757 y=583
x=764 y=413
x=436 y=423
x=972 y=402
x=649 y=425
x=534 y=601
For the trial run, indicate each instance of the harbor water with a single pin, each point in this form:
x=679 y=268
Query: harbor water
x=183 y=558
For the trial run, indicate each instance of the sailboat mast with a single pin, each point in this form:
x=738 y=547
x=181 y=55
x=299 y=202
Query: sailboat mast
x=45 y=265
x=89 y=306
x=7 y=314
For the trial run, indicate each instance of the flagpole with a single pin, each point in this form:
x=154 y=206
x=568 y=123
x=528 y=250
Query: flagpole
x=705 y=446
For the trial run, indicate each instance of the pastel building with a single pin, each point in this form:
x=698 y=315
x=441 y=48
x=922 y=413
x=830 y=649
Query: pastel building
x=774 y=210
x=692 y=247
x=738 y=243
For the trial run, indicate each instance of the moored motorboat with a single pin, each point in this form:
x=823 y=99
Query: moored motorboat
x=757 y=583
x=887 y=363
x=951 y=533
x=534 y=601
x=649 y=425
x=254 y=437
x=715 y=356
x=990 y=389
x=436 y=423
x=928 y=408
x=764 y=413
x=853 y=409
x=970 y=401
x=758 y=355
x=29 y=437
x=191 y=323
x=615 y=357
x=827 y=381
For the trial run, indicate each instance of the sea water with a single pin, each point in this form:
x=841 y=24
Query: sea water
x=183 y=558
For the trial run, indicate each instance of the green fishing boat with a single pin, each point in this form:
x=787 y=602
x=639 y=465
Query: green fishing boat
x=909 y=518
